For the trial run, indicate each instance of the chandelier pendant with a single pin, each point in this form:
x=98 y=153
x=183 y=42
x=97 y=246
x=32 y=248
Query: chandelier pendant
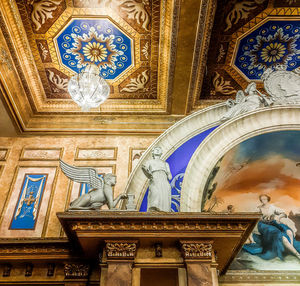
x=88 y=89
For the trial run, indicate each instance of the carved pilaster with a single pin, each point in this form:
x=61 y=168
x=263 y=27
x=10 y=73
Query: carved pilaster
x=198 y=257
x=75 y=271
x=120 y=250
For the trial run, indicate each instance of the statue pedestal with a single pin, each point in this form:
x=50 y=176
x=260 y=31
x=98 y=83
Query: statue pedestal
x=132 y=244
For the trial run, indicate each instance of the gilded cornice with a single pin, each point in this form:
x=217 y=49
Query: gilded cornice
x=204 y=28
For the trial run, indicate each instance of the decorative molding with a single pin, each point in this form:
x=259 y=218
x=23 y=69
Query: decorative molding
x=4 y=154
x=137 y=226
x=119 y=227
x=254 y=276
x=120 y=249
x=196 y=249
x=41 y=154
x=76 y=271
x=33 y=249
x=205 y=24
x=96 y=154
x=5 y=59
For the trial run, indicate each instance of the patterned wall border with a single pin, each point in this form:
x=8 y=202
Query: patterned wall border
x=130 y=161
x=43 y=156
x=97 y=149
x=4 y=151
x=250 y=276
x=12 y=184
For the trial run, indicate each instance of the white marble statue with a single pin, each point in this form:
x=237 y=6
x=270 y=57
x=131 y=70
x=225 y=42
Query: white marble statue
x=158 y=171
x=283 y=86
x=101 y=192
x=244 y=103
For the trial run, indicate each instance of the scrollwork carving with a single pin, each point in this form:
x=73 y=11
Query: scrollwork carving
x=241 y=10
x=120 y=249
x=138 y=83
x=76 y=270
x=42 y=11
x=60 y=84
x=221 y=85
x=196 y=250
x=136 y=11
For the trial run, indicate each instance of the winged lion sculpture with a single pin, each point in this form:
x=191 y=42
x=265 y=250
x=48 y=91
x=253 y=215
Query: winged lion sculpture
x=101 y=192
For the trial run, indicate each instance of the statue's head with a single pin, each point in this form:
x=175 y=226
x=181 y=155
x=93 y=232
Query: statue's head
x=156 y=152
x=251 y=87
x=110 y=179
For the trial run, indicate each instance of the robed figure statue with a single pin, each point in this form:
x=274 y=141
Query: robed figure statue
x=158 y=171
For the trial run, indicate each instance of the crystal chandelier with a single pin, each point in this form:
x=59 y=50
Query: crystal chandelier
x=88 y=89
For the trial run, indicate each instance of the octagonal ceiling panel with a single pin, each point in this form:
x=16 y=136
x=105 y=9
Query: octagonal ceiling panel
x=267 y=45
x=247 y=38
x=121 y=37
x=85 y=41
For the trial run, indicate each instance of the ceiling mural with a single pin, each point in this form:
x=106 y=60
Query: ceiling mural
x=247 y=38
x=49 y=41
x=85 y=41
x=273 y=43
x=119 y=40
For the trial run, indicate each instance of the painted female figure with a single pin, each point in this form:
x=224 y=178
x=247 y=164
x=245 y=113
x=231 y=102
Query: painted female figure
x=158 y=171
x=277 y=232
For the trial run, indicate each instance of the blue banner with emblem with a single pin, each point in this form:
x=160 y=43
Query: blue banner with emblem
x=28 y=204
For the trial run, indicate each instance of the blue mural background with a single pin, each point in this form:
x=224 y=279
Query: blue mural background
x=273 y=43
x=178 y=162
x=27 y=207
x=95 y=40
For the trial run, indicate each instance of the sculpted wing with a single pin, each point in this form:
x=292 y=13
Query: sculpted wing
x=82 y=175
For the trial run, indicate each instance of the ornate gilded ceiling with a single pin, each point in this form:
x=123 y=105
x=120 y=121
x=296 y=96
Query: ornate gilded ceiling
x=161 y=58
x=247 y=38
